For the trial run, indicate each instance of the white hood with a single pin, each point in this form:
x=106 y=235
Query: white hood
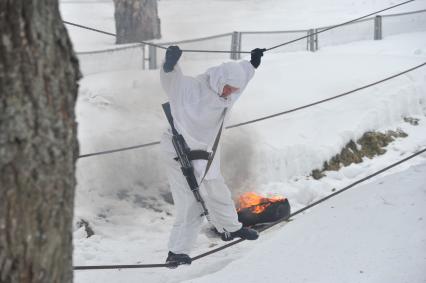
x=230 y=73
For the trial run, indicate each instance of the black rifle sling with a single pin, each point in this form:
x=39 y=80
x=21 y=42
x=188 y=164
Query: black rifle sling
x=215 y=145
x=168 y=112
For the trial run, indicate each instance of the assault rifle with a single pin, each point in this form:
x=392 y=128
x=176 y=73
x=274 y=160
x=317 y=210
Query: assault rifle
x=184 y=154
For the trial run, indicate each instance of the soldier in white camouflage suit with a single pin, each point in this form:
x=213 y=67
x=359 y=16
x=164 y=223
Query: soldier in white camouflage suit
x=198 y=106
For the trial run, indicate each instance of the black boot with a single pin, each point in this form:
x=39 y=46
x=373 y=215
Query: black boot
x=173 y=260
x=244 y=233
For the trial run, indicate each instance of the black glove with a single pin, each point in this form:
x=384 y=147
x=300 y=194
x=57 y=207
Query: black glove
x=256 y=54
x=173 y=54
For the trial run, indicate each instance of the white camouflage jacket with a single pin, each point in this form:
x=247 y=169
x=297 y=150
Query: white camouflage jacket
x=198 y=109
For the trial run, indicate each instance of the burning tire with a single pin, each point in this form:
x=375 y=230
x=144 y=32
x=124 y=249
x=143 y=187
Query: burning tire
x=255 y=209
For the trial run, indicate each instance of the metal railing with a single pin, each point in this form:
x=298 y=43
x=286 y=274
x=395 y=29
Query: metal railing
x=140 y=56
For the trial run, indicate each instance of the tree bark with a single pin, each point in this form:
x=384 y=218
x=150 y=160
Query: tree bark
x=38 y=144
x=136 y=20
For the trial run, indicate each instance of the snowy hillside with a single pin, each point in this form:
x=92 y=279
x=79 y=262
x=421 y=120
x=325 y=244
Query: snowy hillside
x=124 y=196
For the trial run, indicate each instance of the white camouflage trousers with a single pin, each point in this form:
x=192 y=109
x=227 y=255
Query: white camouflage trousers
x=188 y=221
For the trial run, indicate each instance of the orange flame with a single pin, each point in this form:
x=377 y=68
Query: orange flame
x=256 y=203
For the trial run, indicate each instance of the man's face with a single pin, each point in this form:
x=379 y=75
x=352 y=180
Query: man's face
x=228 y=90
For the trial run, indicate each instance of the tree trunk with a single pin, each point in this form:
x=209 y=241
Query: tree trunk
x=38 y=144
x=136 y=20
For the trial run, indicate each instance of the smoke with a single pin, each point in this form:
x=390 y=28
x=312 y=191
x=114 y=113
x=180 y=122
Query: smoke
x=237 y=160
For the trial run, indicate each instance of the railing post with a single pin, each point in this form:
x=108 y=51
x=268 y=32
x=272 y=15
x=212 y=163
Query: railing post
x=152 y=53
x=316 y=39
x=311 y=40
x=240 y=38
x=307 y=41
x=378 y=28
x=235 y=45
x=143 y=56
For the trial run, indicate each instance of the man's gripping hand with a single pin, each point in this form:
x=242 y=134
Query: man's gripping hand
x=173 y=54
x=256 y=55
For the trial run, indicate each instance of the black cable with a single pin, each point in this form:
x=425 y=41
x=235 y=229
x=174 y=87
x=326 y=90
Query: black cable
x=327 y=99
x=261 y=230
x=347 y=187
x=109 y=33
x=128 y=266
x=153 y=44
x=315 y=203
x=119 y=149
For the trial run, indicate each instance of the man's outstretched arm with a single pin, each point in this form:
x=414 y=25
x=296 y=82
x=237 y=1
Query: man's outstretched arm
x=170 y=74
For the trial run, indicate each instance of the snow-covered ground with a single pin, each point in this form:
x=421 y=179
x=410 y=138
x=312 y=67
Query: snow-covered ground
x=123 y=195
x=372 y=233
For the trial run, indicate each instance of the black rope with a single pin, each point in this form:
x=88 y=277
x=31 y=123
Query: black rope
x=266 y=117
x=327 y=99
x=128 y=266
x=342 y=24
x=153 y=44
x=261 y=230
x=109 y=33
x=315 y=203
x=119 y=149
x=245 y=52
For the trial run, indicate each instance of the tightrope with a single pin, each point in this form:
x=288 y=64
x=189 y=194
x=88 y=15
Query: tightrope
x=243 y=52
x=152 y=44
x=327 y=99
x=269 y=116
x=119 y=149
x=260 y=230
